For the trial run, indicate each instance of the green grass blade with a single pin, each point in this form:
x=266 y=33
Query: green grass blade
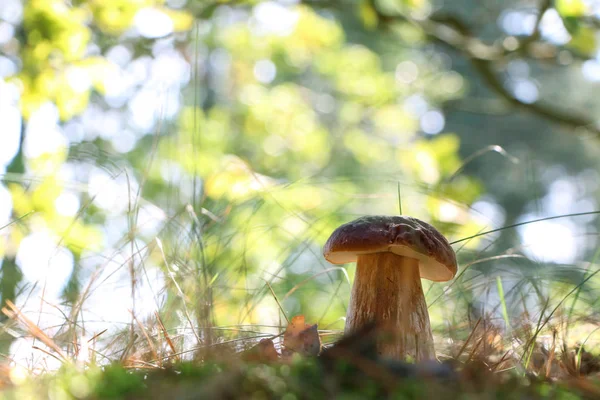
x=399 y=199
x=503 y=302
x=526 y=223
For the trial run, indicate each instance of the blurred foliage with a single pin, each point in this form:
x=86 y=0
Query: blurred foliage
x=259 y=145
x=290 y=119
x=56 y=62
x=280 y=136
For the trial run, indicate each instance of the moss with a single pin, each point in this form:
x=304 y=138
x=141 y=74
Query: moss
x=301 y=379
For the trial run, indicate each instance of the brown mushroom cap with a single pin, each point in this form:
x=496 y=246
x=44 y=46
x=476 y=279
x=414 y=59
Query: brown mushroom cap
x=405 y=236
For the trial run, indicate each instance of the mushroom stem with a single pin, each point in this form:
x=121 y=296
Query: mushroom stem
x=387 y=289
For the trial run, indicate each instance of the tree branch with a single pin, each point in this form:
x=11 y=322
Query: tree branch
x=482 y=57
x=452 y=32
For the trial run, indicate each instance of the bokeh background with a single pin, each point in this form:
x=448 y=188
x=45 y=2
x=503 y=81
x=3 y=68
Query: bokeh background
x=185 y=161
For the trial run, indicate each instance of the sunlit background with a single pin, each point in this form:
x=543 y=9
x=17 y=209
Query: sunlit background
x=190 y=159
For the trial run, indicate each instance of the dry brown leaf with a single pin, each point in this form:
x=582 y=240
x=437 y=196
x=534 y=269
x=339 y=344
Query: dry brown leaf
x=301 y=338
x=263 y=352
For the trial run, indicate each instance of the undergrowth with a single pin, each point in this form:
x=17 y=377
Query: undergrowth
x=300 y=378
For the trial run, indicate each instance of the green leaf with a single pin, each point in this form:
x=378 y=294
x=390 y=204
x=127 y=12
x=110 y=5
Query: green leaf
x=368 y=14
x=571 y=8
x=584 y=41
x=572 y=24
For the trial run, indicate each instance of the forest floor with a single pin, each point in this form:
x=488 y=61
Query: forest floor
x=348 y=368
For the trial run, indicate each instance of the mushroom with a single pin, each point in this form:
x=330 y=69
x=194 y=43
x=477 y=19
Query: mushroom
x=392 y=253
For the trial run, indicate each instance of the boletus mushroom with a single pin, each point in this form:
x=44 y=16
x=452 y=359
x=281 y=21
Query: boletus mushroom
x=392 y=254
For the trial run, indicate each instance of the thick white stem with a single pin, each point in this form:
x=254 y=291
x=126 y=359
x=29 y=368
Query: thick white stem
x=387 y=289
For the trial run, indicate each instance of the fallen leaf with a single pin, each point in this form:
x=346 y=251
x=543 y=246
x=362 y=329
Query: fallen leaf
x=301 y=338
x=263 y=352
